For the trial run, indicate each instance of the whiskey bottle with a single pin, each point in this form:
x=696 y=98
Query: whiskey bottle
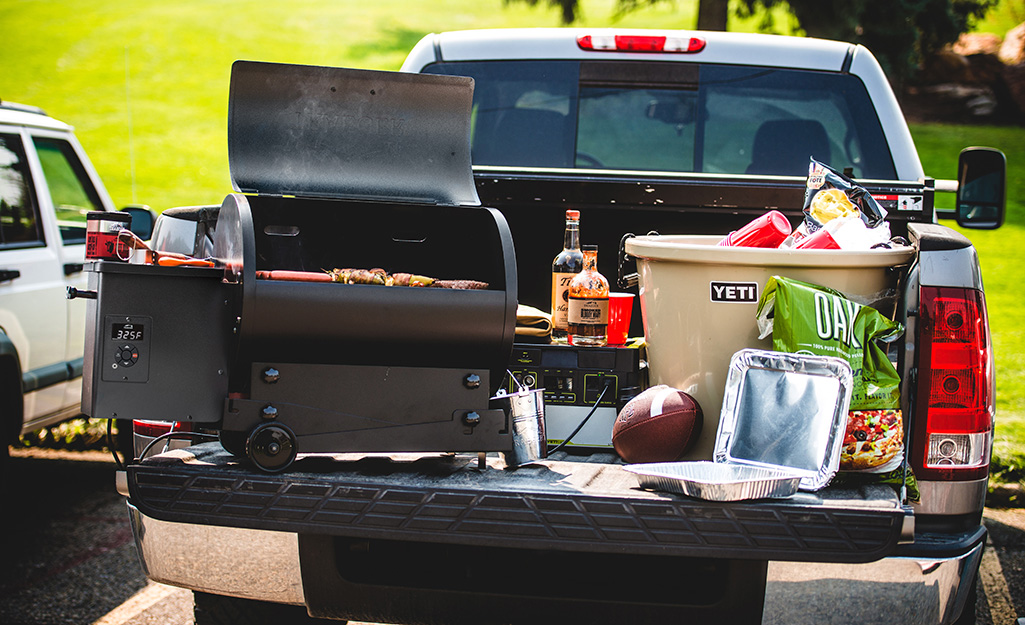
x=589 y=303
x=567 y=264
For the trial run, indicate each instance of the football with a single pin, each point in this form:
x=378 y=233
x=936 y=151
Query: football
x=659 y=425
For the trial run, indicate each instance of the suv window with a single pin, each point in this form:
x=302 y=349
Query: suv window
x=19 y=218
x=72 y=192
x=678 y=117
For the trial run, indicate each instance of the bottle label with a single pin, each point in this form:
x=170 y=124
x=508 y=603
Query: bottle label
x=589 y=311
x=560 y=300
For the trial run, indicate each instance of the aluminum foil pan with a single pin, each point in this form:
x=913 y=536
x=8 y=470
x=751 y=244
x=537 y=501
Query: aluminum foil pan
x=715 y=481
x=785 y=411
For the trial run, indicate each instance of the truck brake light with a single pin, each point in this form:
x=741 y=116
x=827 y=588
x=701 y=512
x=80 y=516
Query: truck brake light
x=954 y=424
x=640 y=43
x=153 y=429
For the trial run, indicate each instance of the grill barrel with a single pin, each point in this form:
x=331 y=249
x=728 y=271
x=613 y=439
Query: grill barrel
x=371 y=324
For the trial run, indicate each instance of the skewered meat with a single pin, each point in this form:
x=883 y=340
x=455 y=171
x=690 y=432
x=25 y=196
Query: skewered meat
x=409 y=279
x=370 y=276
x=460 y=284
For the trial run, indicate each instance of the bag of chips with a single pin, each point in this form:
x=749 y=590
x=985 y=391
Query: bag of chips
x=809 y=319
x=830 y=196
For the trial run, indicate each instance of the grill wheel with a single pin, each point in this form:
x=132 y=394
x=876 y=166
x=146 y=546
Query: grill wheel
x=271 y=447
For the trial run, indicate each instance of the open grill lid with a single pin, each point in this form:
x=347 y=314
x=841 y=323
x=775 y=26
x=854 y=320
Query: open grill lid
x=308 y=131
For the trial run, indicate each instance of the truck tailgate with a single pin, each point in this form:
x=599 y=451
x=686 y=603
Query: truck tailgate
x=566 y=503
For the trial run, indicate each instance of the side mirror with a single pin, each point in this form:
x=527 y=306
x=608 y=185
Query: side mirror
x=981 y=188
x=143 y=219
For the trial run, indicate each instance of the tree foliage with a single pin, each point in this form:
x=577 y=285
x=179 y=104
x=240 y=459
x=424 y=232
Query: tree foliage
x=899 y=32
x=569 y=9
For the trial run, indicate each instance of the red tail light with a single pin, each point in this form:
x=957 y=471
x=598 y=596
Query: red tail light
x=640 y=43
x=955 y=408
x=154 y=429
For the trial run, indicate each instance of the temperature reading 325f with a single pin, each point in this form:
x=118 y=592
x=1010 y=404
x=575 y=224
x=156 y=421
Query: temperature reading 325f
x=127 y=331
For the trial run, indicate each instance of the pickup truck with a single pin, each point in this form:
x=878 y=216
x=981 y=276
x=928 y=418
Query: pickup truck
x=48 y=187
x=679 y=133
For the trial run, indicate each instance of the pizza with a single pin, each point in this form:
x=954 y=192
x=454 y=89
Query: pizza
x=873 y=438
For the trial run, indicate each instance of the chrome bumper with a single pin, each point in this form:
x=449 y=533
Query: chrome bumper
x=891 y=590
x=264 y=565
x=252 y=564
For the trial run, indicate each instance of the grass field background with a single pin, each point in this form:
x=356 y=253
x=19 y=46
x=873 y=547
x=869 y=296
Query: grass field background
x=145 y=83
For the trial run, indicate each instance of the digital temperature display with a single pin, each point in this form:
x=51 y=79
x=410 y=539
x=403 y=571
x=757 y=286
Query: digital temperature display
x=127 y=332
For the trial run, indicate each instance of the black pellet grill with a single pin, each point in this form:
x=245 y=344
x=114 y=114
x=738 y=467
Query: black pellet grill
x=334 y=168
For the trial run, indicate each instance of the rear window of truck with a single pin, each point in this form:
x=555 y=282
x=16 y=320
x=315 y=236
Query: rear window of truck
x=673 y=117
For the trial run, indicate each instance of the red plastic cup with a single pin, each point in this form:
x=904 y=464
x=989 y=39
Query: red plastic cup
x=620 y=307
x=769 y=230
x=821 y=239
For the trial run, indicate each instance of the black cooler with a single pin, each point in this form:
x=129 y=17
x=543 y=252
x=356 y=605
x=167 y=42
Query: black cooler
x=335 y=169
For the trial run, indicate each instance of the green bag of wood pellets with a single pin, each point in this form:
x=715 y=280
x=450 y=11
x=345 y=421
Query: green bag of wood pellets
x=808 y=319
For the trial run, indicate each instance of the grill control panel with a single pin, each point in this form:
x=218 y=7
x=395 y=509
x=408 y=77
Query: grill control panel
x=125 y=348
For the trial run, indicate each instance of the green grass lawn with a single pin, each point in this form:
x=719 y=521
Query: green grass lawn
x=145 y=83
x=1002 y=18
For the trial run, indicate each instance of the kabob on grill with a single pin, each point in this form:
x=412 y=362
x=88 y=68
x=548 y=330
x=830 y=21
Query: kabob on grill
x=376 y=276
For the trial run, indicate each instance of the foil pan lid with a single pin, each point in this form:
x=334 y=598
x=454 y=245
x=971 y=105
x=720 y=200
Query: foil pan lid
x=786 y=411
x=714 y=481
x=308 y=131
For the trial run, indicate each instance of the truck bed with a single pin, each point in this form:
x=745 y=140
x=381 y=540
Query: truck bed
x=564 y=503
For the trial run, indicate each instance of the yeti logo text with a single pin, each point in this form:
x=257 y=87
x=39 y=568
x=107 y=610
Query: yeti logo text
x=744 y=292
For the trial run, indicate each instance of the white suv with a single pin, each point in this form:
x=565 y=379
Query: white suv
x=47 y=185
